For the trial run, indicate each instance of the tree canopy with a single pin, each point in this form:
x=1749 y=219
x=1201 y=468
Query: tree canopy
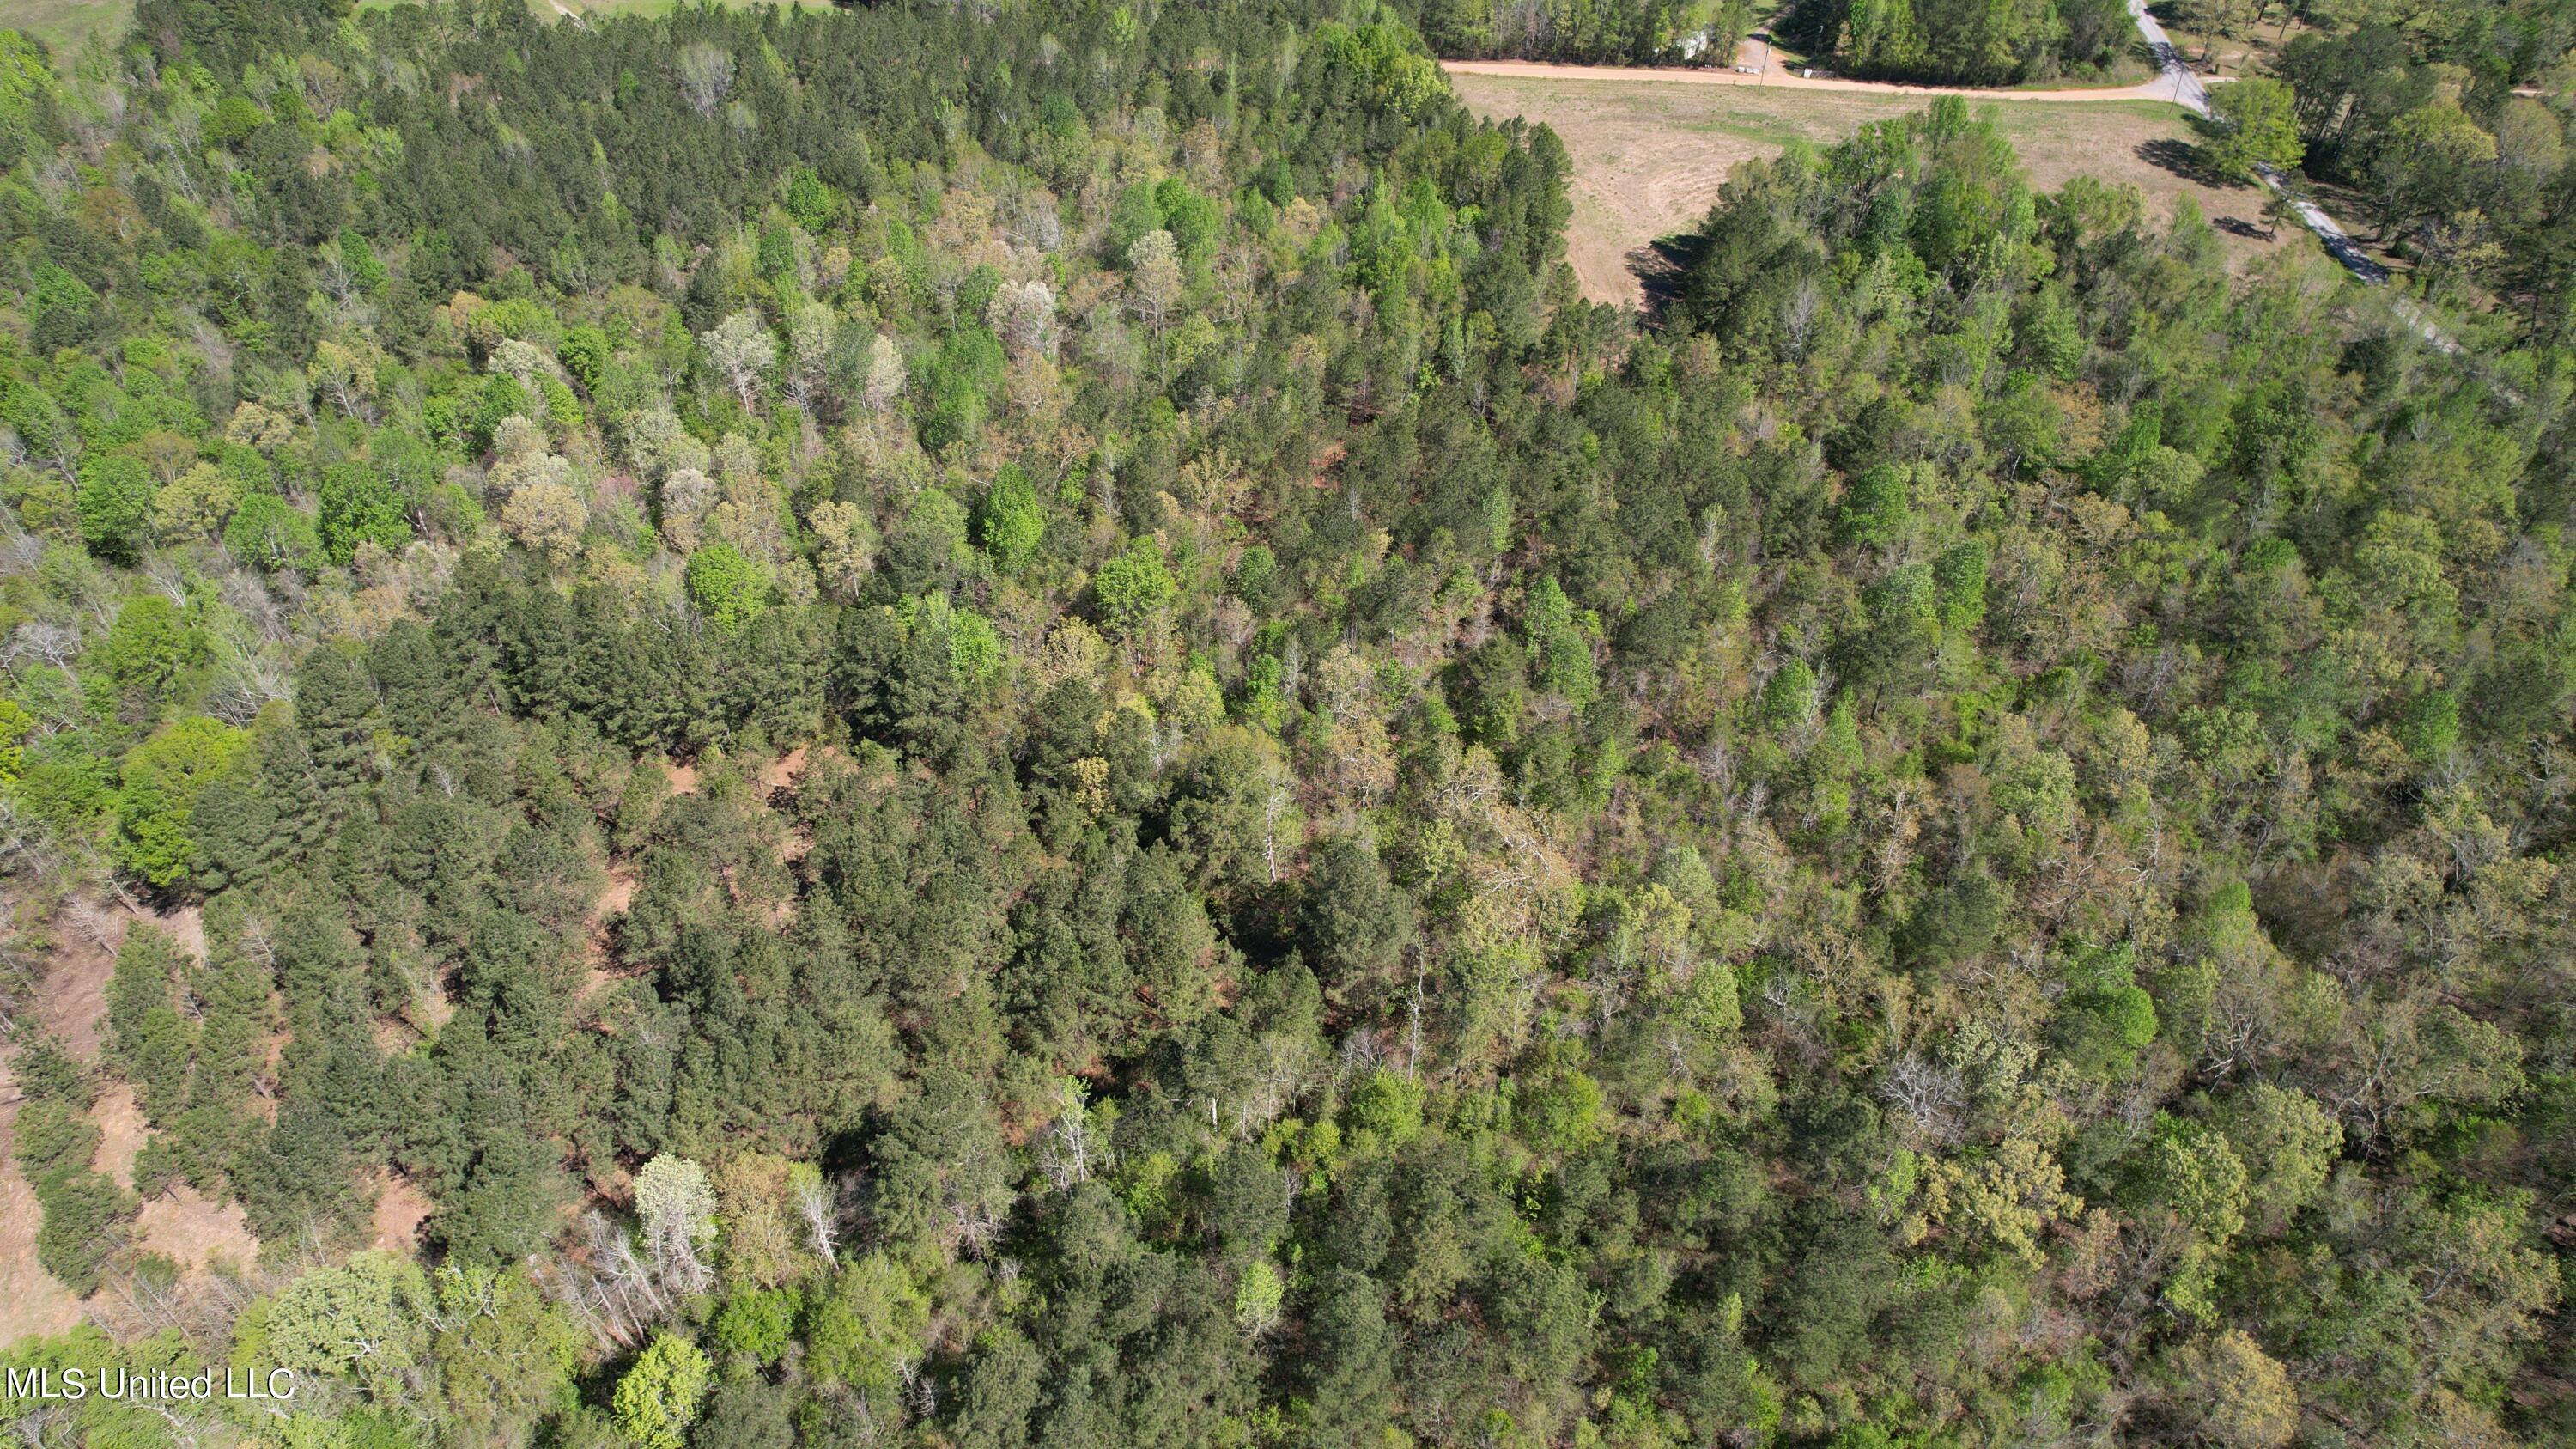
x=946 y=727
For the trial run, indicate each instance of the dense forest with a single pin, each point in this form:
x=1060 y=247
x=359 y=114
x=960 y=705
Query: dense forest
x=2439 y=129
x=2481 y=45
x=983 y=726
x=1607 y=32
x=1964 y=42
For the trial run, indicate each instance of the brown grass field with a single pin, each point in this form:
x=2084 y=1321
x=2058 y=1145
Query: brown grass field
x=1649 y=156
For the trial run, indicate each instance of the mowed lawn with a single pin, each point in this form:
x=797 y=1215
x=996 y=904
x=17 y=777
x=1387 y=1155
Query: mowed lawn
x=1649 y=156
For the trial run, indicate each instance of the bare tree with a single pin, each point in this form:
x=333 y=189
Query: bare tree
x=1070 y=1151
x=677 y=1209
x=1154 y=268
x=819 y=1206
x=741 y=348
x=706 y=76
x=47 y=643
x=1927 y=1096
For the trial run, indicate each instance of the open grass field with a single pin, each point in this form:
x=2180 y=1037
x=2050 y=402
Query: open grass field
x=1649 y=156
x=66 y=25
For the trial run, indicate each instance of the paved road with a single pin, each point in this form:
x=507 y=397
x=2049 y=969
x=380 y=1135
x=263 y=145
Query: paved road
x=2189 y=91
x=2178 y=83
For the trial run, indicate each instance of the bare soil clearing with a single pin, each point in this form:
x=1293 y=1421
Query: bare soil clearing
x=401 y=1208
x=191 y=1230
x=599 y=964
x=31 y=1302
x=196 y=1233
x=73 y=1001
x=1650 y=153
x=121 y=1132
x=70 y=1005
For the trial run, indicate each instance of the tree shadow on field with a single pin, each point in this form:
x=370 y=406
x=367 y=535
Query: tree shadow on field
x=2183 y=159
x=1659 y=267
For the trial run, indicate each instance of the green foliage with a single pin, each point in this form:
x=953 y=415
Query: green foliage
x=2105 y=1019
x=757 y=1323
x=1978 y=44
x=161 y=781
x=359 y=506
x=87 y=1222
x=1034 y=679
x=270 y=534
x=658 y=1398
x=2256 y=127
x=1011 y=521
x=114 y=499
x=367 y=1321
x=1876 y=508
x=1959 y=576
x=958 y=382
x=810 y=199
x=148 y=644
x=863 y=1329
x=1385 y=1111
x=54 y=1139
x=1132 y=587
x=726 y=586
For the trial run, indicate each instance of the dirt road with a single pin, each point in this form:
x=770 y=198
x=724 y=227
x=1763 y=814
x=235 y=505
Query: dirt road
x=2159 y=89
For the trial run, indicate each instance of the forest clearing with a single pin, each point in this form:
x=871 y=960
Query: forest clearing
x=1650 y=152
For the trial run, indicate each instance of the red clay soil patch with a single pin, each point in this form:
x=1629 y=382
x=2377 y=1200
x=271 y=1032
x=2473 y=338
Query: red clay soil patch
x=196 y=1233
x=783 y=773
x=191 y=1230
x=187 y=926
x=73 y=1001
x=400 y=1210
x=121 y=1132
x=781 y=777
x=1328 y=458
x=623 y=882
x=439 y=1007
x=684 y=778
